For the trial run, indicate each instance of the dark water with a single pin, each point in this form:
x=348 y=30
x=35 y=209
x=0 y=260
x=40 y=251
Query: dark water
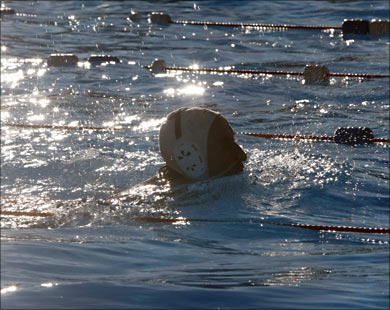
x=94 y=255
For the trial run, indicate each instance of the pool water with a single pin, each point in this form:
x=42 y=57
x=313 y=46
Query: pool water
x=97 y=253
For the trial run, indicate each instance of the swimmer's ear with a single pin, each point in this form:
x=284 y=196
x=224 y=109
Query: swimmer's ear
x=241 y=155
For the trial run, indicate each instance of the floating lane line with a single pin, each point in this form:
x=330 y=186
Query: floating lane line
x=267 y=72
x=59 y=127
x=254 y=25
x=318 y=138
x=346 y=135
x=363 y=230
x=25 y=213
x=349 y=26
x=366 y=230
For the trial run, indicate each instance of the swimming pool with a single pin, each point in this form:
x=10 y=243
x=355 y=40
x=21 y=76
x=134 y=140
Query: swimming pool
x=93 y=255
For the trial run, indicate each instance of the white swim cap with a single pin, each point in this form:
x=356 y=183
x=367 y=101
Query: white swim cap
x=183 y=141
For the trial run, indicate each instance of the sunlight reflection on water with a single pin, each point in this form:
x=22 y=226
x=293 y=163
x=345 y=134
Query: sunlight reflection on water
x=73 y=172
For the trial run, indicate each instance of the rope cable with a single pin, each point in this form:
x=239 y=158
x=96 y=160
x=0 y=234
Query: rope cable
x=25 y=213
x=255 y=25
x=302 y=137
x=349 y=26
x=369 y=230
x=281 y=136
x=59 y=127
x=259 y=135
x=269 y=72
x=331 y=228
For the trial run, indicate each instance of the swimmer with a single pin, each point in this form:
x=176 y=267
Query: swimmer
x=196 y=144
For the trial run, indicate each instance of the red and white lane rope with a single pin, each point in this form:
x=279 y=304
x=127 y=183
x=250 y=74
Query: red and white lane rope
x=252 y=25
x=61 y=127
x=365 y=230
x=349 y=26
x=159 y=66
x=349 y=137
x=330 y=228
x=346 y=135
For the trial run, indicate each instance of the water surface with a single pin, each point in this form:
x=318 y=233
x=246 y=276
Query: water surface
x=97 y=255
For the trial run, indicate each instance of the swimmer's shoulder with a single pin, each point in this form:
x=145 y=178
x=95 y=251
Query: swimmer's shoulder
x=167 y=176
x=165 y=180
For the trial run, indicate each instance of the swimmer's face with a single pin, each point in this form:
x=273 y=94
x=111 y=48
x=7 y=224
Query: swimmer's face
x=223 y=151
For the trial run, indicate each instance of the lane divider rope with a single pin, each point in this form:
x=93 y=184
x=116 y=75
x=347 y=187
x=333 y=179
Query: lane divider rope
x=26 y=213
x=345 y=135
x=60 y=127
x=369 y=230
x=352 y=229
x=349 y=26
x=252 y=25
x=350 y=139
x=311 y=72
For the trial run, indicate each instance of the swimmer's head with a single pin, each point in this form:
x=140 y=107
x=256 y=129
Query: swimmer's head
x=199 y=144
